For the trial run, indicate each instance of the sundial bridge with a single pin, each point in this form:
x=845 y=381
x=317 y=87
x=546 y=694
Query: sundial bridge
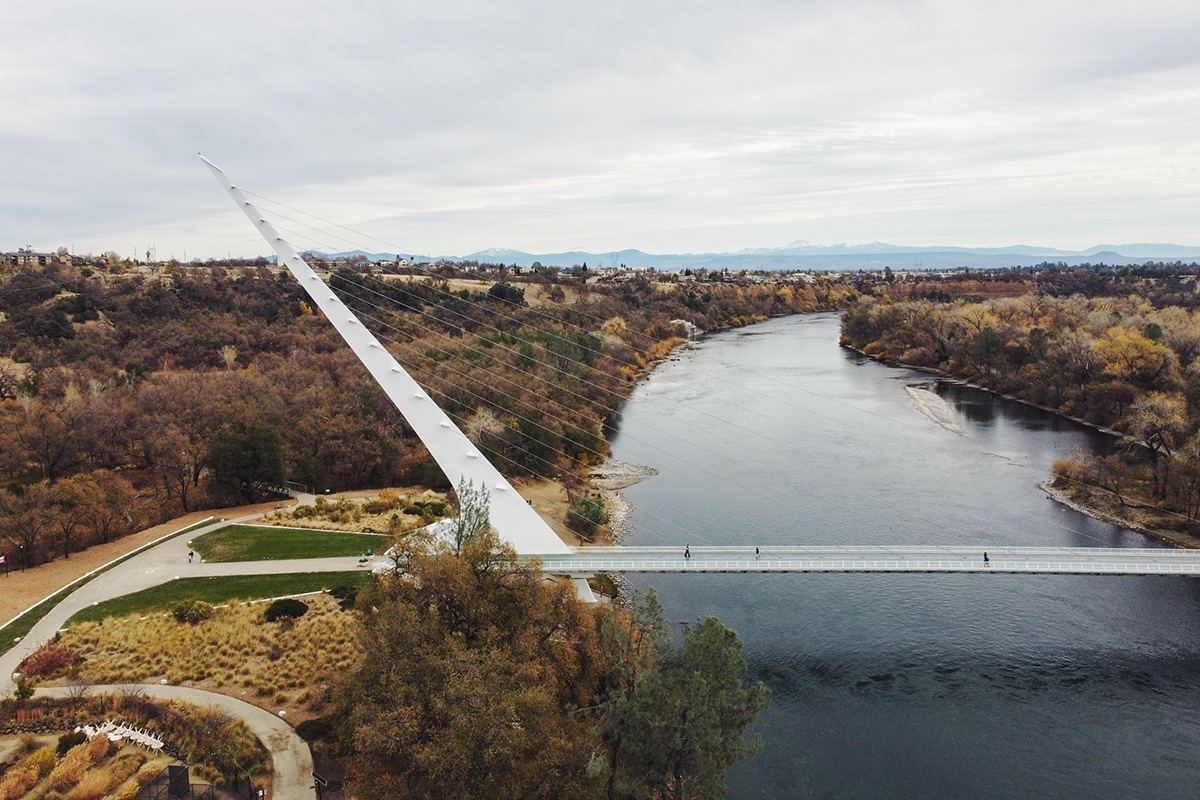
x=532 y=538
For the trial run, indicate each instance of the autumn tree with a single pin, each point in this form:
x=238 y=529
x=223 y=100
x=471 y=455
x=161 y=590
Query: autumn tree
x=472 y=667
x=113 y=513
x=25 y=519
x=1159 y=422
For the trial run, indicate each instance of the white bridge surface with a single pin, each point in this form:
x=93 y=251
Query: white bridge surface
x=948 y=559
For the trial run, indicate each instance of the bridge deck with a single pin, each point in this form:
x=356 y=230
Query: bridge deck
x=1019 y=560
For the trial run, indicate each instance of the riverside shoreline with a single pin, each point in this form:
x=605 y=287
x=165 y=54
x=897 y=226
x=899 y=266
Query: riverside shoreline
x=1172 y=537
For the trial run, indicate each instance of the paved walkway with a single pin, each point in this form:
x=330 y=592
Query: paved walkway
x=289 y=753
x=165 y=562
x=157 y=565
x=1018 y=560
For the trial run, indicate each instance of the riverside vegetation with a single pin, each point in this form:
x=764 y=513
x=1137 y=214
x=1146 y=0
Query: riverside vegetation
x=1121 y=352
x=130 y=394
x=463 y=672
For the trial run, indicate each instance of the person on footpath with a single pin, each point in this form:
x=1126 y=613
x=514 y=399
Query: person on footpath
x=687 y=551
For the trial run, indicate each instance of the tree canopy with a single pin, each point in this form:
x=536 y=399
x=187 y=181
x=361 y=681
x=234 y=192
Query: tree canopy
x=483 y=679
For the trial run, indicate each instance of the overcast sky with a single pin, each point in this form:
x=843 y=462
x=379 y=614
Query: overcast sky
x=448 y=127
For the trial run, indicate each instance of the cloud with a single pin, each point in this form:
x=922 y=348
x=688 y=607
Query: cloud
x=665 y=126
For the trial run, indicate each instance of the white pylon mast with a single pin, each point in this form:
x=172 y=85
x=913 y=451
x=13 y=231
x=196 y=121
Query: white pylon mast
x=459 y=458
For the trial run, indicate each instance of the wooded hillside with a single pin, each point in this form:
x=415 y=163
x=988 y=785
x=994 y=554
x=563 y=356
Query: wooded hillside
x=128 y=397
x=1130 y=363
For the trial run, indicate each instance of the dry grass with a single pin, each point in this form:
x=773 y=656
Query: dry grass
x=332 y=514
x=16 y=783
x=234 y=653
x=549 y=500
x=100 y=769
x=91 y=786
x=70 y=770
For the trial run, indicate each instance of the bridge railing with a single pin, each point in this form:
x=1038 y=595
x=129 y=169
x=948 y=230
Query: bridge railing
x=949 y=550
x=582 y=566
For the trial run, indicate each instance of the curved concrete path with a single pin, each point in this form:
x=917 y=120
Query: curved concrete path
x=165 y=562
x=159 y=564
x=289 y=753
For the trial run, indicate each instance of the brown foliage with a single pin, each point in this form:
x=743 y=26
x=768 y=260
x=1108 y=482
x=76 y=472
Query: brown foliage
x=471 y=664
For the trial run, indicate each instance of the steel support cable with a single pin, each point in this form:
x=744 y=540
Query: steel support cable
x=617 y=395
x=517 y=400
x=715 y=377
x=505 y=457
x=443 y=393
x=684 y=460
x=751 y=490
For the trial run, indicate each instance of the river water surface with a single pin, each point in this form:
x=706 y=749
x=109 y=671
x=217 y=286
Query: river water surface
x=908 y=686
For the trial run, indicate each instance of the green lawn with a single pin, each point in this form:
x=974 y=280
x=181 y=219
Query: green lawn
x=158 y=599
x=252 y=543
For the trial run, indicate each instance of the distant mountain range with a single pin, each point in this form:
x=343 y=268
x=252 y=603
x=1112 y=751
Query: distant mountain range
x=802 y=255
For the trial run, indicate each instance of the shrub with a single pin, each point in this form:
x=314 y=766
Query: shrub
x=42 y=762
x=148 y=772
x=70 y=770
x=315 y=728
x=91 y=787
x=22 y=691
x=586 y=514
x=427 y=509
x=99 y=747
x=69 y=740
x=191 y=611
x=47 y=660
x=346 y=596
x=287 y=607
x=17 y=782
x=387 y=501
x=29 y=742
x=126 y=766
x=127 y=791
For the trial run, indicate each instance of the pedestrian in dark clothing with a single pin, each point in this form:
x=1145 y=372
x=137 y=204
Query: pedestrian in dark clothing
x=190 y=554
x=985 y=558
x=687 y=551
x=756 y=552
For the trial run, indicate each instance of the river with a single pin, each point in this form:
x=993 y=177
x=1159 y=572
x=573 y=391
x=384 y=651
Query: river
x=908 y=686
